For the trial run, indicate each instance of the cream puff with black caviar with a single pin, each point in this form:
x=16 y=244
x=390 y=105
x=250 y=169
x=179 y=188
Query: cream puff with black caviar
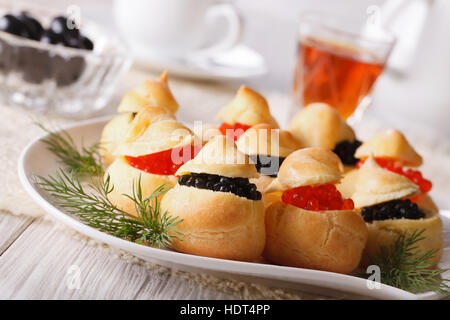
x=312 y=226
x=320 y=125
x=267 y=148
x=248 y=108
x=155 y=146
x=221 y=211
x=147 y=94
x=384 y=200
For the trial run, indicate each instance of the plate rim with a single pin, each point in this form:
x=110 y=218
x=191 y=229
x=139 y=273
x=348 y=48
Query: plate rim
x=212 y=264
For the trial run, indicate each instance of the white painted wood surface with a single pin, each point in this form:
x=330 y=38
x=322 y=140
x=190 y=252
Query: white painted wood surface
x=11 y=227
x=40 y=261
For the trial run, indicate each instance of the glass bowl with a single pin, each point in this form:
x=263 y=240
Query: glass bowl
x=46 y=77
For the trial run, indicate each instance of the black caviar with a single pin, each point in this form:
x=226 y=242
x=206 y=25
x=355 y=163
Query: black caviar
x=346 y=151
x=238 y=186
x=267 y=165
x=395 y=209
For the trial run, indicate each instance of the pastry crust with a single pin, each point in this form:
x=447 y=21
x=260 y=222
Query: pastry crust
x=262 y=183
x=220 y=156
x=122 y=176
x=347 y=186
x=425 y=203
x=385 y=232
x=144 y=118
x=248 y=107
x=328 y=240
x=309 y=166
x=128 y=125
x=158 y=136
x=206 y=132
x=391 y=144
x=153 y=93
x=263 y=139
x=319 y=125
x=113 y=134
x=216 y=224
x=375 y=185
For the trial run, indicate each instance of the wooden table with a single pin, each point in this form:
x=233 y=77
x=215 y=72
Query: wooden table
x=38 y=260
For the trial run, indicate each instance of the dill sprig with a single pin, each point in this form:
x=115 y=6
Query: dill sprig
x=90 y=203
x=88 y=200
x=80 y=161
x=403 y=266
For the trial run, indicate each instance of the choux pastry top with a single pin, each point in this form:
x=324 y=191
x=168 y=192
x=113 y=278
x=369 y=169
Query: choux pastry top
x=248 y=108
x=320 y=125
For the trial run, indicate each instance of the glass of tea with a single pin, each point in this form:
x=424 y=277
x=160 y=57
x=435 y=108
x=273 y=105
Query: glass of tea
x=338 y=61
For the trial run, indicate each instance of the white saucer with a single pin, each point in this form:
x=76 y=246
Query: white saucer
x=240 y=62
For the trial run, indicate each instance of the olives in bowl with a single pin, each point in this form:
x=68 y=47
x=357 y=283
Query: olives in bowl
x=48 y=62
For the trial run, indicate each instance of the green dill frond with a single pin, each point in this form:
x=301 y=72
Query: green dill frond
x=90 y=203
x=81 y=190
x=81 y=161
x=403 y=266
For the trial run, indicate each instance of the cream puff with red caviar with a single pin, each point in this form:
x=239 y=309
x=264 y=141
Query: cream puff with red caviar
x=320 y=125
x=392 y=151
x=248 y=108
x=149 y=93
x=313 y=226
x=383 y=199
x=267 y=148
x=221 y=211
x=155 y=147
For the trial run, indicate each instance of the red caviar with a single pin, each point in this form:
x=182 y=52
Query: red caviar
x=413 y=175
x=164 y=162
x=233 y=130
x=317 y=198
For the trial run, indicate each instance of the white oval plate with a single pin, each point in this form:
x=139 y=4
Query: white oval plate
x=37 y=160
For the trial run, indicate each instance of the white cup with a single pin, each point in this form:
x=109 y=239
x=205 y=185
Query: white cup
x=177 y=27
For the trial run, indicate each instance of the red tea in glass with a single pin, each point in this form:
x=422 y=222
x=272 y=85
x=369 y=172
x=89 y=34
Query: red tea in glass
x=336 y=67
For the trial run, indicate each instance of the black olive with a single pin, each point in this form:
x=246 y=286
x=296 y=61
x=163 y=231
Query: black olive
x=52 y=38
x=65 y=27
x=34 y=27
x=87 y=43
x=73 y=42
x=13 y=25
